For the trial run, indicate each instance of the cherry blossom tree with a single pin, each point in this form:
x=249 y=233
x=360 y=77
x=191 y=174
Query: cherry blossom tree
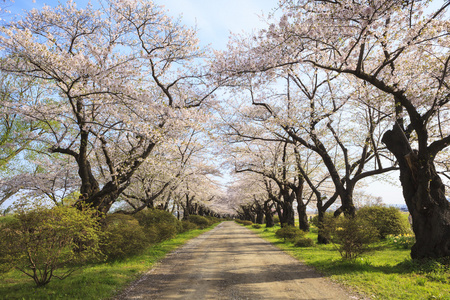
x=306 y=107
x=399 y=51
x=115 y=81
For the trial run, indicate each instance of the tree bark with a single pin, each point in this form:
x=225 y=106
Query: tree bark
x=424 y=195
x=302 y=216
x=322 y=236
x=268 y=214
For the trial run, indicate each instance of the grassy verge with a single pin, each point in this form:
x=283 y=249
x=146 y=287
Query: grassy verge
x=98 y=281
x=384 y=273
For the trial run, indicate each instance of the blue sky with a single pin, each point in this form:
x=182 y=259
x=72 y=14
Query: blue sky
x=214 y=19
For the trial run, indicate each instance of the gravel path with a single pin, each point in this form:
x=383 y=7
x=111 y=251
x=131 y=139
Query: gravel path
x=231 y=262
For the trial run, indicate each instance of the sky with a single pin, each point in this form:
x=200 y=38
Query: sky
x=215 y=20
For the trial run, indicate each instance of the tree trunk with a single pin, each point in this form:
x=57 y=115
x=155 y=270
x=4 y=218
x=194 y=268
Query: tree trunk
x=322 y=237
x=288 y=214
x=259 y=211
x=424 y=195
x=269 y=215
x=302 y=216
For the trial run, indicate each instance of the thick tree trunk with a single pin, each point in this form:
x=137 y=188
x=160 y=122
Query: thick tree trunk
x=322 y=237
x=259 y=217
x=424 y=195
x=269 y=215
x=302 y=216
x=278 y=208
x=288 y=214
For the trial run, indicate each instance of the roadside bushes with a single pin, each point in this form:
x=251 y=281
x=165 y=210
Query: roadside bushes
x=352 y=235
x=44 y=242
x=244 y=222
x=289 y=233
x=387 y=220
x=303 y=242
x=200 y=221
x=295 y=236
x=122 y=236
x=159 y=225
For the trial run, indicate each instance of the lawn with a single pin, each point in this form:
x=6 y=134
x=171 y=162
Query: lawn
x=386 y=272
x=97 y=281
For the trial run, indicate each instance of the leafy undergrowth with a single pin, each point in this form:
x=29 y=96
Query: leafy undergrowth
x=98 y=281
x=386 y=272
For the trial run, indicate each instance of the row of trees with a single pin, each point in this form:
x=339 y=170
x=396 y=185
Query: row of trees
x=360 y=87
x=106 y=104
x=113 y=103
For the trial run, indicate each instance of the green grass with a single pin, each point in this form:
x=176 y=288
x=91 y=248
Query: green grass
x=384 y=273
x=98 y=281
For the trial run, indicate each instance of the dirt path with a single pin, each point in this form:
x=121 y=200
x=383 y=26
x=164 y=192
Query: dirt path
x=231 y=262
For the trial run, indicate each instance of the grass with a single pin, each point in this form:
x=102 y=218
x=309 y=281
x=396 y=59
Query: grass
x=384 y=273
x=97 y=281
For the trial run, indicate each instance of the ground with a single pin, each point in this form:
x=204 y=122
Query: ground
x=231 y=262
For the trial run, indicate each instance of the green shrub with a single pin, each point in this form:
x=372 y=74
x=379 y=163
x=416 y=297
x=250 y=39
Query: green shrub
x=289 y=233
x=213 y=220
x=315 y=218
x=159 y=225
x=324 y=231
x=247 y=223
x=200 y=221
x=353 y=235
x=257 y=226
x=123 y=236
x=276 y=219
x=304 y=242
x=187 y=225
x=387 y=220
x=49 y=242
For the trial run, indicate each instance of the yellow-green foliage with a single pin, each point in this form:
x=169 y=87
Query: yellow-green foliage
x=200 y=221
x=159 y=225
x=42 y=241
x=353 y=235
x=289 y=233
x=122 y=236
x=387 y=220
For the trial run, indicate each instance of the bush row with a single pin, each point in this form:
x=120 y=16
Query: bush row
x=353 y=236
x=243 y=222
x=52 y=242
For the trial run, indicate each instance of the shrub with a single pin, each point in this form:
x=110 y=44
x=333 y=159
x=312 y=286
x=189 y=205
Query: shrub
x=213 y=220
x=324 y=231
x=387 y=220
x=289 y=233
x=276 y=219
x=123 y=236
x=257 y=226
x=304 y=242
x=159 y=225
x=353 y=235
x=187 y=225
x=247 y=223
x=49 y=242
x=200 y=221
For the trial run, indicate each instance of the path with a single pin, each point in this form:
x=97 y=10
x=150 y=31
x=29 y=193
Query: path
x=231 y=262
